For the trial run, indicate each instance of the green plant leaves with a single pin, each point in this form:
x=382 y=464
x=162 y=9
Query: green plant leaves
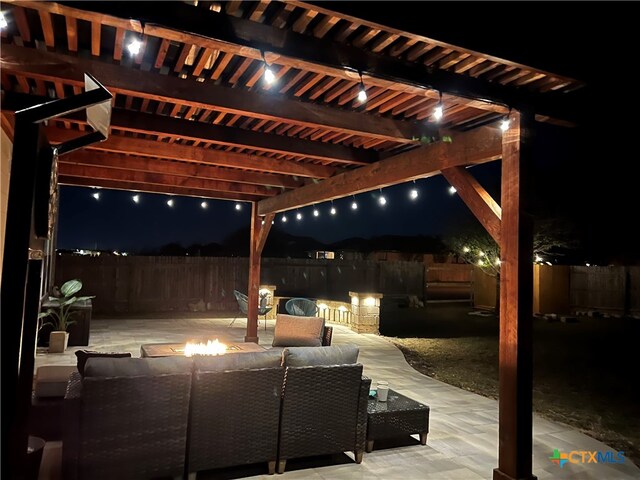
x=71 y=287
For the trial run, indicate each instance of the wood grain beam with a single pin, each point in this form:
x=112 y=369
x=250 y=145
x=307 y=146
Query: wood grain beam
x=152 y=188
x=473 y=147
x=479 y=201
x=152 y=148
x=515 y=435
x=163 y=179
x=171 y=167
x=122 y=80
x=264 y=232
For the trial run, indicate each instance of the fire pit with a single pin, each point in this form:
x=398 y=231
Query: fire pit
x=211 y=347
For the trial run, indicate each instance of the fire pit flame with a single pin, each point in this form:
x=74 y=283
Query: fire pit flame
x=212 y=347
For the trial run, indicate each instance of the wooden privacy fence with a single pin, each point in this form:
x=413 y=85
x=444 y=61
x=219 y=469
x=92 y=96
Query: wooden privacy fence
x=154 y=284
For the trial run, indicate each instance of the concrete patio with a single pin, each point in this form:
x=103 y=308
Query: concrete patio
x=463 y=438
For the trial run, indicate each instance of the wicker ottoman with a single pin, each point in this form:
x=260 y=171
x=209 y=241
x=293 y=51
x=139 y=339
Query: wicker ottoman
x=396 y=417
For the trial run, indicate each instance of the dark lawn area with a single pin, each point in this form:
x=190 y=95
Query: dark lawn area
x=586 y=374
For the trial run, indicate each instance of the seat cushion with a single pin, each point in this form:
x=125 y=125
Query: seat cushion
x=51 y=380
x=294 y=331
x=131 y=367
x=238 y=361
x=310 y=356
x=84 y=355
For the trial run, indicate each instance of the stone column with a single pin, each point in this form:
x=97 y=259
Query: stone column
x=270 y=290
x=365 y=308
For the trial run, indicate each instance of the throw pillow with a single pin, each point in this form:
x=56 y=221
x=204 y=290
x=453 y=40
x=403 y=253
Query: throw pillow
x=310 y=356
x=84 y=355
x=294 y=331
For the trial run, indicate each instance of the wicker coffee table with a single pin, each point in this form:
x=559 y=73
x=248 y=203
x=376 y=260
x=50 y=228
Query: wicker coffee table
x=153 y=350
x=396 y=417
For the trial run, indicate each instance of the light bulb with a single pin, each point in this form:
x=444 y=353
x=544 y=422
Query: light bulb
x=333 y=211
x=354 y=206
x=284 y=218
x=134 y=47
x=466 y=249
x=362 y=94
x=504 y=126
x=413 y=194
x=316 y=213
x=382 y=200
x=238 y=206
x=298 y=216
x=204 y=204
x=136 y=198
x=170 y=202
x=96 y=195
x=262 y=222
x=438 y=112
x=269 y=76
x=452 y=190
x=3 y=21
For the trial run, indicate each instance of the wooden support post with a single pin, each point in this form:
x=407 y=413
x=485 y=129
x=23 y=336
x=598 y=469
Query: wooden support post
x=259 y=232
x=516 y=308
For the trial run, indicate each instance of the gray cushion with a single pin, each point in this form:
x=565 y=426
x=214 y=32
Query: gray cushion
x=130 y=367
x=309 y=356
x=238 y=361
x=51 y=380
x=84 y=355
x=294 y=331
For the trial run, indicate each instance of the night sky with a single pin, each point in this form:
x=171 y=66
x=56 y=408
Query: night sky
x=583 y=176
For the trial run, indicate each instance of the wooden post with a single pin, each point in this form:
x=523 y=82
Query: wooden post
x=259 y=232
x=516 y=307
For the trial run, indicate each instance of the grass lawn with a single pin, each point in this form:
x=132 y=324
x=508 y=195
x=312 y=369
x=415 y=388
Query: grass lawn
x=585 y=374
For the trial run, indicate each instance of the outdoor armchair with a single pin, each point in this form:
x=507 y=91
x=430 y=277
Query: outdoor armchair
x=302 y=307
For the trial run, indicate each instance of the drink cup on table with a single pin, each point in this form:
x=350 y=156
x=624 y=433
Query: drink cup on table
x=382 y=391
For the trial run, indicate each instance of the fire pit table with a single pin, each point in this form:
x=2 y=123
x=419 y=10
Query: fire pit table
x=173 y=349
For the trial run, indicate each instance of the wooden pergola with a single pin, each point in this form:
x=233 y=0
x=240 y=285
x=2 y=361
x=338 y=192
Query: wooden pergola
x=193 y=115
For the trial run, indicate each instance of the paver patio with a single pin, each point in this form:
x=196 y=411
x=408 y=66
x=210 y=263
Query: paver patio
x=463 y=430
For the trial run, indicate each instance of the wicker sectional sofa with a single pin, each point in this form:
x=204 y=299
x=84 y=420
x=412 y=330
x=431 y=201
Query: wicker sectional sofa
x=144 y=418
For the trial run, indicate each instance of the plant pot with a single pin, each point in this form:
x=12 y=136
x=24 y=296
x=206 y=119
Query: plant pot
x=58 y=341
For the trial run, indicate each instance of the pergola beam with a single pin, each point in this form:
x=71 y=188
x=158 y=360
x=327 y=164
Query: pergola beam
x=54 y=67
x=477 y=146
x=153 y=165
x=479 y=201
x=161 y=179
x=150 y=188
x=185 y=153
x=149 y=124
x=247 y=38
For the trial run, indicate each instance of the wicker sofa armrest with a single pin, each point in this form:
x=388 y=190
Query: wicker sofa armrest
x=71 y=430
x=361 y=430
x=326 y=336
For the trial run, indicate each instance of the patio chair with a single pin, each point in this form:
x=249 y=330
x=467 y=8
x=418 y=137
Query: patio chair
x=301 y=307
x=243 y=303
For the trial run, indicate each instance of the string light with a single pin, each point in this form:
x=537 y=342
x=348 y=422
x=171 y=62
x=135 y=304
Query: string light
x=438 y=112
x=504 y=125
x=284 y=219
x=134 y=46
x=498 y=261
x=298 y=216
x=466 y=249
x=204 y=204
x=3 y=21
x=170 y=202
x=333 y=211
x=381 y=199
x=269 y=76
x=136 y=198
x=362 y=93
x=238 y=206
x=452 y=190
x=354 y=204
x=96 y=195
x=316 y=212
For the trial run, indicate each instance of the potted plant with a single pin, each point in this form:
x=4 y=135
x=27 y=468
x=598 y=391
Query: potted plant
x=59 y=309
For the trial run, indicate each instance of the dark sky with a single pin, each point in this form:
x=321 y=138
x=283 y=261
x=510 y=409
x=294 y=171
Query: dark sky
x=585 y=175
